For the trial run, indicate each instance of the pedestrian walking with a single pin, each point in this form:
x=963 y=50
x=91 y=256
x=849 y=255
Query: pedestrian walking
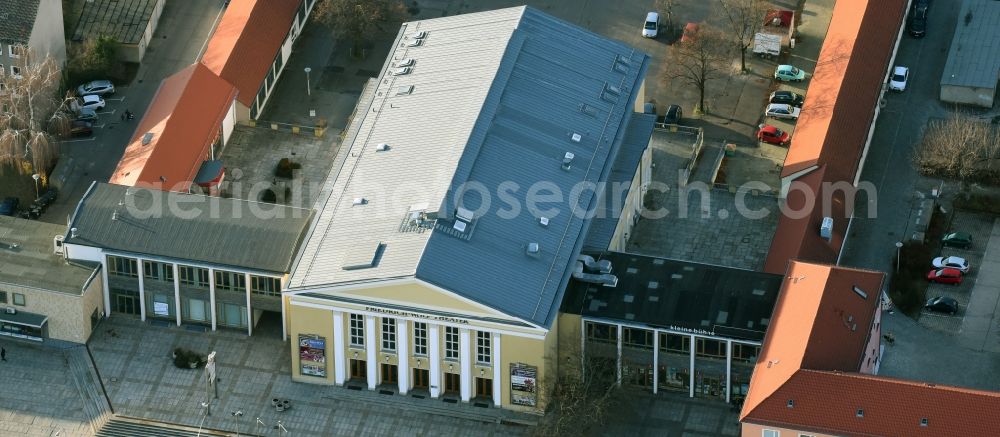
x=3 y=354
x=123 y=116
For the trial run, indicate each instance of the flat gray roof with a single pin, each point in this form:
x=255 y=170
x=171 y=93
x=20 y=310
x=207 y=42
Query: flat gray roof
x=27 y=258
x=123 y=20
x=974 y=57
x=213 y=230
x=497 y=97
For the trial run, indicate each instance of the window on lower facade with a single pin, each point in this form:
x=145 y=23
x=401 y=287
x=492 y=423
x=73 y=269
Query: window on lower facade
x=484 y=348
x=120 y=266
x=639 y=338
x=770 y=433
x=450 y=343
x=265 y=286
x=388 y=334
x=19 y=299
x=158 y=271
x=3 y=297
x=195 y=276
x=602 y=332
x=419 y=338
x=230 y=281
x=357 y=330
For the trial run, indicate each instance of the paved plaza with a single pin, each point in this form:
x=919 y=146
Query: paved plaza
x=38 y=396
x=134 y=361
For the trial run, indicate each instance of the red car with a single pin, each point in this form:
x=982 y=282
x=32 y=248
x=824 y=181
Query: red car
x=945 y=276
x=773 y=135
x=690 y=31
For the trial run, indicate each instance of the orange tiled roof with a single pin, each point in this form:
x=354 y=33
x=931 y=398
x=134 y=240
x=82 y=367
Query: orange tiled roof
x=828 y=402
x=184 y=117
x=845 y=87
x=819 y=322
x=246 y=41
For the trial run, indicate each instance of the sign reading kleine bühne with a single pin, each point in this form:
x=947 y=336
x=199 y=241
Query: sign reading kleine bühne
x=416 y=315
x=523 y=384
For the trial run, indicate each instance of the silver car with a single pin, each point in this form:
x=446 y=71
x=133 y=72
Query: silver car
x=96 y=88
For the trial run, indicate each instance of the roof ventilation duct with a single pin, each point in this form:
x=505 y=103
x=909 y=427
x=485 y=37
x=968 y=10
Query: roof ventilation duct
x=606 y=280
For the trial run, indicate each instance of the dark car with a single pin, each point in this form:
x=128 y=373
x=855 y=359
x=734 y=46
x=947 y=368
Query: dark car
x=9 y=206
x=942 y=305
x=957 y=239
x=787 y=97
x=918 y=21
x=81 y=128
x=673 y=115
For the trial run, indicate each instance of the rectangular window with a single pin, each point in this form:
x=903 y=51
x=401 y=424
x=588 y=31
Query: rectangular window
x=3 y=297
x=602 y=332
x=484 y=348
x=419 y=338
x=675 y=343
x=195 y=276
x=18 y=299
x=158 y=271
x=770 y=433
x=639 y=338
x=711 y=348
x=450 y=343
x=388 y=334
x=230 y=281
x=12 y=51
x=265 y=286
x=15 y=71
x=357 y=330
x=122 y=266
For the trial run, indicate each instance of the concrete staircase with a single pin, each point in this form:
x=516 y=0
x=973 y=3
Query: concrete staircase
x=95 y=401
x=126 y=427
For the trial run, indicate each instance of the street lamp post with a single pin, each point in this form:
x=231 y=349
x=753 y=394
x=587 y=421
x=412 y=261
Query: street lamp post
x=36 y=177
x=238 y=414
x=308 y=88
x=899 y=250
x=256 y=426
x=208 y=408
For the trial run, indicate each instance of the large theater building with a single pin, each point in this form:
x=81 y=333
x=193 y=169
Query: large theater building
x=409 y=283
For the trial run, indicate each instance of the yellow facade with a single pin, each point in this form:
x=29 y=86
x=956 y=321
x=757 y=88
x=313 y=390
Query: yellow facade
x=415 y=302
x=69 y=315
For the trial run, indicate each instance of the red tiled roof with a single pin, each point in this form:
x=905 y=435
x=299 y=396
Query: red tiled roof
x=184 y=117
x=246 y=41
x=819 y=322
x=836 y=118
x=828 y=402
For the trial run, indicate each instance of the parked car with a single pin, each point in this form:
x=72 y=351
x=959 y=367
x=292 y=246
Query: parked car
x=81 y=128
x=673 y=115
x=954 y=262
x=900 y=75
x=96 y=87
x=918 y=21
x=779 y=110
x=87 y=115
x=651 y=26
x=945 y=276
x=942 y=304
x=787 y=97
x=957 y=239
x=9 y=206
x=91 y=102
x=788 y=73
x=773 y=135
x=690 y=31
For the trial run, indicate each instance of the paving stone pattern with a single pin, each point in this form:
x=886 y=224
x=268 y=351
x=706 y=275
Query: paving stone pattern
x=37 y=394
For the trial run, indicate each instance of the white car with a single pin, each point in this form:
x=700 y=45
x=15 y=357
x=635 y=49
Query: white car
x=954 y=262
x=98 y=87
x=91 y=102
x=900 y=75
x=651 y=26
x=782 y=110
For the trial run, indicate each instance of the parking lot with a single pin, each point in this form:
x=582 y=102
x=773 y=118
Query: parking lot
x=980 y=226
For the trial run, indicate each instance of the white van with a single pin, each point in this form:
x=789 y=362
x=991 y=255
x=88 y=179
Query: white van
x=651 y=26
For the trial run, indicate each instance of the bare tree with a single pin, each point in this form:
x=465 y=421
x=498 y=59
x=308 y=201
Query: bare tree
x=358 y=20
x=960 y=147
x=580 y=398
x=699 y=60
x=746 y=18
x=666 y=8
x=31 y=114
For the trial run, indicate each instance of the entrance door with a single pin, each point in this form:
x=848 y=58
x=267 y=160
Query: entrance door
x=421 y=378
x=389 y=373
x=126 y=304
x=452 y=383
x=484 y=388
x=359 y=369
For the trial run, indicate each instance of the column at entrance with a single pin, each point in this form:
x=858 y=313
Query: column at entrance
x=433 y=334
x=464 y=354
x=339 y=365
x=403 y=356
x=372 y=364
